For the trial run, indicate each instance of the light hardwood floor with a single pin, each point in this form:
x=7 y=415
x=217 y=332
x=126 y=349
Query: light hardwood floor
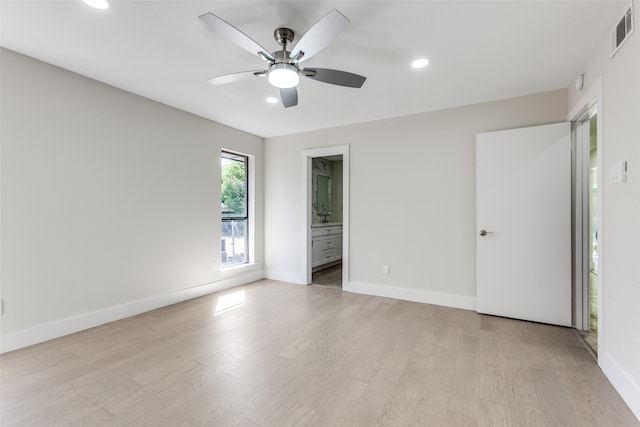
x=290 y=355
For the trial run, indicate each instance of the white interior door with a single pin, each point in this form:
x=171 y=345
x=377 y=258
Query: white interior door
x=523 y=196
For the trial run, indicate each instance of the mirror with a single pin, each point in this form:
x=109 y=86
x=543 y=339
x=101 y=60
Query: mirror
x=323 y=195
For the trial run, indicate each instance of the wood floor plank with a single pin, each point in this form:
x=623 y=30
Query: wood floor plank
x=247 y=423
x=399 y=355
x=99 y=417
x=554 y=401
x=496 y=358
x=316 y=391
x=432 y=406
x=408 y=394
x=464 y=390
x=252 y=397
x=157 y=403
x=368 y=408
x=296 y=348
x=372 y=361
x=26 y=407
x=297 y=416
x=454 y=419
x=316 y=356
x=399 y=409
x=522 y=398
x=494 y=414
x=339 y=404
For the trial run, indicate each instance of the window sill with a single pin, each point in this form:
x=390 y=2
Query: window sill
x=237 y=269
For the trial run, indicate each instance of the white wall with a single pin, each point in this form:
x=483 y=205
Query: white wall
x=619 y=110
x=110 y=202
x=412 y=197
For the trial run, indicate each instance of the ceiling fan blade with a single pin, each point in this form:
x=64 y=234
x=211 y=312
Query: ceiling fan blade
x=234 y=35
x=320 y=35
x=289 y=97
x=335 y=77
x=235 y=77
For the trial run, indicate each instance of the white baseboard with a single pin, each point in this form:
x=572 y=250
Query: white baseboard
x=285 y=277
x=416 y=295
x=58 y=328
x=622 y=382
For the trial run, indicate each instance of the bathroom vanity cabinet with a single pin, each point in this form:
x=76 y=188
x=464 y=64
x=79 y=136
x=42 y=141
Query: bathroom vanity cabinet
x=326 y=243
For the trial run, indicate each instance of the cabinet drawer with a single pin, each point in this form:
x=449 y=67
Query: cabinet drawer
x=328 y=243
x=338 y=248
x=328 y=255
x=328 y=231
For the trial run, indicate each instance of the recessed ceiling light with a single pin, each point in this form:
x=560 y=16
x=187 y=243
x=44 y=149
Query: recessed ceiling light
x=98 y=4
x=272 y=100
x=420 y=63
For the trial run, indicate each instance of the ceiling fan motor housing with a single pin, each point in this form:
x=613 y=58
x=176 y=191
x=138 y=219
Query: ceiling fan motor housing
x=282 y=56
x=284 y=36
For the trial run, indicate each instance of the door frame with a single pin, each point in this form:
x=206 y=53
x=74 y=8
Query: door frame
x=307 y=168
x=580 y=136
x=590 y=100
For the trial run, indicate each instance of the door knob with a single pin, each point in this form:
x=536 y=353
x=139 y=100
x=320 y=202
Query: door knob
x=485 y=232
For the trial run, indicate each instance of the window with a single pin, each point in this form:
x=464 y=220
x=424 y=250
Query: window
x=235 y=224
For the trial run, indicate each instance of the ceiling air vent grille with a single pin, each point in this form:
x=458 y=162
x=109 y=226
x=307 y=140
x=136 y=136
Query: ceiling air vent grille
x=622 y=30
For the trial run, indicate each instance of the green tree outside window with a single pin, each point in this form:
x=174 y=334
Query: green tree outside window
x=234 y=189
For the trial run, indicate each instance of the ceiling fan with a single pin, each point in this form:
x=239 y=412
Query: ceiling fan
x=284 y=65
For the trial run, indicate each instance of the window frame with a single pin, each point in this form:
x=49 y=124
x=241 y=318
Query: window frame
x=247 y=217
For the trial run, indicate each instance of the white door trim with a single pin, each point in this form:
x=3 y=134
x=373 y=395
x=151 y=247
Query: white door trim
x=307 y=155
x=579 y=212
x=594 y=96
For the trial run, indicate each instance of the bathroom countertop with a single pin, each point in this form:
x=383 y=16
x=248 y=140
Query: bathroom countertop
x=325 y=224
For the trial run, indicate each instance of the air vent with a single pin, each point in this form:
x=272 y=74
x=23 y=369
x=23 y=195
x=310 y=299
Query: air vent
x=622 y=30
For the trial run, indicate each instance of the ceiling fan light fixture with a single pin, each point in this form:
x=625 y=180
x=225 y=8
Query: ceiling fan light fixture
x=283 y=76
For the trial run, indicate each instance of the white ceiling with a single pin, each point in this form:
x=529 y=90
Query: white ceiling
x=479 y=51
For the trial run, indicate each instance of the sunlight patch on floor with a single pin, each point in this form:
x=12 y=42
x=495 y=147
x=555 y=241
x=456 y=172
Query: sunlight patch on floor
x=229 y=302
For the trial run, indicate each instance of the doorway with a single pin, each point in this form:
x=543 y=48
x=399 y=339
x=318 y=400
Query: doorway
x=326 y=221
x=327 y=215
x=586 y=225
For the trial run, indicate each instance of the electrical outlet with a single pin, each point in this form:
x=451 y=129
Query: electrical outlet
x=2 y=307
x=385 y=270
x=214 y=266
